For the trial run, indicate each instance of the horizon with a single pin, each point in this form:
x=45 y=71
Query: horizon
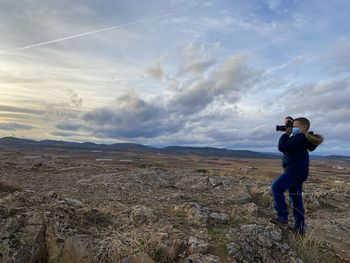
x=276 y=152
x=175 y=73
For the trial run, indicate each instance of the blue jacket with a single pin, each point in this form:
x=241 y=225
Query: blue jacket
x=295 y=151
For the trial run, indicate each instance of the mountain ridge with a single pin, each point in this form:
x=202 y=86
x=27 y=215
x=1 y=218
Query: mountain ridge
x=13 y=142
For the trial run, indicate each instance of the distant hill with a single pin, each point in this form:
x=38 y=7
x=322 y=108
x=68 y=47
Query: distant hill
x=11 y=142
x=17 y=143
x=336 y=158
x=210 y=151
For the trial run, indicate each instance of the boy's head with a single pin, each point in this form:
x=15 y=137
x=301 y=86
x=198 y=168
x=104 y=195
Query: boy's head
x=302 y=123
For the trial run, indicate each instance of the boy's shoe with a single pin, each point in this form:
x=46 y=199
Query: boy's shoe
x=279 y=221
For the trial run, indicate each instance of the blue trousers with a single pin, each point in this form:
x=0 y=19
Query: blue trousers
x=293 y=183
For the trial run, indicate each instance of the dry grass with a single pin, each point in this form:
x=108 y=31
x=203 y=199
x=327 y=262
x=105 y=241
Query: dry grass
x=311 y=248
x=307 y=246
x=121 y=244
x=9 y=188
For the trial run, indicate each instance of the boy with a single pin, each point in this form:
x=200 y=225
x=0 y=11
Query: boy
x=295 y=151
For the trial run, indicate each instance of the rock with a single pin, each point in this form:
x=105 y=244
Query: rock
x=52 y=194
x=23 y=238
x=232 y=249
x=200 y=184
x=258 y=243
x=199 y=258
x=214 y=182
x=197 y=245
x=177 y=246
x=245 y=197
x=250 y=208
x=195 y=213
x=77 y=250
x=72 y=202
x=143 y=214
x=219 y=218
x=140 y=257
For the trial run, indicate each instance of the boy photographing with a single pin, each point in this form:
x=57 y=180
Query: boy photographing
x=295 y=145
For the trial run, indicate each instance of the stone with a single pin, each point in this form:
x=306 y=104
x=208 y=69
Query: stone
x=73 y=202
x=177 y=246
x=257 y=243
x=52 y=194
x=250 y=208
x=76 y=250
x=219 y=218
x=197 y=245
x=195 y=213
x=199 y=258
x=140 y=257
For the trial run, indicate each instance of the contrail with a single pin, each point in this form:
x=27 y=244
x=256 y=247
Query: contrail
x=93 y=32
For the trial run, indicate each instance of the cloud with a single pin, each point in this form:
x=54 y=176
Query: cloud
x=21 y=110
x=228 y=82
x=320 y=97
x=13 y=126
x=131 y=116
x=192 y=49
x=273 y=4
x=155 y=72
x=340 y=56
x=74 y=99
x=197 y=67
x=63 y=134
x=68 y=126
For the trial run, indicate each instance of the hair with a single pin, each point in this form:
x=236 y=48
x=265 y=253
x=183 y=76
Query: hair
x=303 y=121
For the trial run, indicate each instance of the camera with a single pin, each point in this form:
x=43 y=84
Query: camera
x=284 y=127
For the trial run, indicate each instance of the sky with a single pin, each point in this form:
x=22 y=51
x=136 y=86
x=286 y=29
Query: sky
x=175 y=72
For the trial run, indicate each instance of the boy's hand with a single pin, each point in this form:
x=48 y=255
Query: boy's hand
x=286 y=119
x=289 y=130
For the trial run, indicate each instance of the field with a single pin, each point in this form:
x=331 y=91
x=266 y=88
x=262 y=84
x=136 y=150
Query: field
x=94 y=206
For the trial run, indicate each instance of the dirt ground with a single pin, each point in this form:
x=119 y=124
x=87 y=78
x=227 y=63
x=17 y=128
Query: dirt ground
x=116 y=182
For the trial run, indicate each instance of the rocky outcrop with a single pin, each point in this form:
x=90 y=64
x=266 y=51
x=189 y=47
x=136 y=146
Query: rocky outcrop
x=200 y=215
x=37 y=228
x=257 y=243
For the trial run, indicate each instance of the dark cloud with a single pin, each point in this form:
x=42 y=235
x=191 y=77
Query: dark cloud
x=68 y=127
x=63 y=134
x=231 y=79
x=13 y=126
x=130 y=117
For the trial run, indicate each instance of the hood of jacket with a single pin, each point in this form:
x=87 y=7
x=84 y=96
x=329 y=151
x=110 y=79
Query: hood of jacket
x=315 y=139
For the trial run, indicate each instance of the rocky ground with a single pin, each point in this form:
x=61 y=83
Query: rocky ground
x=85 y=207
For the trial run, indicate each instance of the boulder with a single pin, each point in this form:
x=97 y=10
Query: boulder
x=257 y=243
x=199 y=258
x=140 y=257
x=219 y=218
x=197 y=245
